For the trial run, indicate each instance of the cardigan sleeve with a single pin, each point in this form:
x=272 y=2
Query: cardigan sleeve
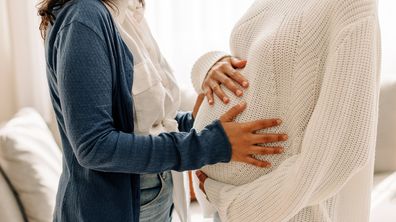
x=84 y=84
x=185 y=121
x=338 y=142
x=202 y=67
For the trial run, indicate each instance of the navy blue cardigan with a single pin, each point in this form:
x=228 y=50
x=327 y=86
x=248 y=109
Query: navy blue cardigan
x=89 y=70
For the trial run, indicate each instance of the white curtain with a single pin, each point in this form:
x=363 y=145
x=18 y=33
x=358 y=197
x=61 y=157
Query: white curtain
x=186 y=29
x=387 y=16
x=22 y=64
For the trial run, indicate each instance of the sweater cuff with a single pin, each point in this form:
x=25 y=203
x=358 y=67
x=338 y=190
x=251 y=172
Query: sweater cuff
x=202 y=67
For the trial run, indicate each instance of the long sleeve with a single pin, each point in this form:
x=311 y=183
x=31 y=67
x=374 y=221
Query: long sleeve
x=202 y=67
x=84 y=85
x=339 y=139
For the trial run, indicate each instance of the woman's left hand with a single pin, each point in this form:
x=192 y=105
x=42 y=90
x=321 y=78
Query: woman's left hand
x=224 y=72
x=202 y=178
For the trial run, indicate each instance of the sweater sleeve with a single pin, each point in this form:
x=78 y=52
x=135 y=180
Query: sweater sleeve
x=338 y=142
x=202 y=67
x=84 y=85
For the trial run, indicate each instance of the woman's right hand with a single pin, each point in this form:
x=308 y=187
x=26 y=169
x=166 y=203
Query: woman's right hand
x=244 y=140
x=225 y=72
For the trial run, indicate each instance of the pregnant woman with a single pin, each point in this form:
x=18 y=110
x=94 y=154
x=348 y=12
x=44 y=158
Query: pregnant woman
x=119 y=139
x=315 y=64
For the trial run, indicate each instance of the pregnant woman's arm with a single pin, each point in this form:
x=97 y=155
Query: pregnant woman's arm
x=338 y=142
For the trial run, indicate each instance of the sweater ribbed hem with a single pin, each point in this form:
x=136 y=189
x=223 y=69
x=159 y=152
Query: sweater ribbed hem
x=212 y=189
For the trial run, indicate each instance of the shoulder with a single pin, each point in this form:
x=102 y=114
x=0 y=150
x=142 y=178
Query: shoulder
x=350 y=11
x=92 y=14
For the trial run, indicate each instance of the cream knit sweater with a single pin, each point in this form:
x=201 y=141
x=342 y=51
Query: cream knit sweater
x=315 y=64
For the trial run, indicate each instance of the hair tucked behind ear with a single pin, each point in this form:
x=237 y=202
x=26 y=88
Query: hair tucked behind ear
x=46 y=7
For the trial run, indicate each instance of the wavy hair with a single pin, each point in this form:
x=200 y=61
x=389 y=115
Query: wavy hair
x=46 y=7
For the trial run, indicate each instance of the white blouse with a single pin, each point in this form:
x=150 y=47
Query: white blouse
x=155 y=91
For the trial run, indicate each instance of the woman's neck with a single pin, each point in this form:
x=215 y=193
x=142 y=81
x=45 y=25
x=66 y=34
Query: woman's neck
x=119 y=10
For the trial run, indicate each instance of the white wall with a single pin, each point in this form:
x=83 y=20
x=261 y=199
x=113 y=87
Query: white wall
x=387 y=16
x=186 y=29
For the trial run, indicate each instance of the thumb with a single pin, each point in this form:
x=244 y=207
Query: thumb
x=230 y=115
x=238 y=63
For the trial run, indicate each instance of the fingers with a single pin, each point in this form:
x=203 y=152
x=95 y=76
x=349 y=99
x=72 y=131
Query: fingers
x=219 y=92
x=230 y=115
x=224 y=73
x=238 y=63
x=259 y=150
x=235 y=75
x=262 y=124
x=201 y=176
x=227 y=82
x=209 y=95
x=268 y=138
x=253 y=161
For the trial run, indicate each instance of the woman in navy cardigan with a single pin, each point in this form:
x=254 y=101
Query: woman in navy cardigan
x=89 y=70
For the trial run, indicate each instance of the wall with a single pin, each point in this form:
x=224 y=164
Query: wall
x=23 y=78
x=387 y=16
x=7 y=99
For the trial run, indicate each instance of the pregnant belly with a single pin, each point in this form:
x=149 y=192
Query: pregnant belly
x=236 y=173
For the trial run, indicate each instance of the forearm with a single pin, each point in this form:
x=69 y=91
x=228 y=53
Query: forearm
x=129 y=153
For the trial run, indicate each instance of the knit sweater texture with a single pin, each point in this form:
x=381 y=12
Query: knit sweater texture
x=315 y=64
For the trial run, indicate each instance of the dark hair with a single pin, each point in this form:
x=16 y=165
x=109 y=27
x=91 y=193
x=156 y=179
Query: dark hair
x=46 y=7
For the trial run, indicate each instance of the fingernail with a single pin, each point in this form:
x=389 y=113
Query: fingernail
x=239 y=93
x=285 y=137
x=268 y=165
x=226 y=100
x=242 y=103
x=245 y=84
x=278 y=121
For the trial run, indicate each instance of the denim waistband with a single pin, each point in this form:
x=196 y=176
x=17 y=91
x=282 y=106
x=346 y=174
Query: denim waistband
x=153 y=180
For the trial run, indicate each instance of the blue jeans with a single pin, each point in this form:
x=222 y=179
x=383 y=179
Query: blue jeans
x=156 y=203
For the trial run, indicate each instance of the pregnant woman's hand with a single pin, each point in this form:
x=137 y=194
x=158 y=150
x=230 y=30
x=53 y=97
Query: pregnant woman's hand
x=225 y=72
x=244 y=139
